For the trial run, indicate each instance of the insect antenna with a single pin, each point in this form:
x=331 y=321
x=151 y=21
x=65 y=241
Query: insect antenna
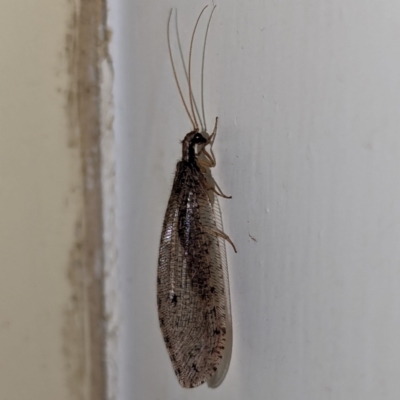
x=192 y=119
x=202 y=69
x=184 y=67
x=190 y=68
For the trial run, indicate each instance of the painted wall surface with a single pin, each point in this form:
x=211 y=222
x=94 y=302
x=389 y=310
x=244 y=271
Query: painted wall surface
x=44 y=337
x=308 y=95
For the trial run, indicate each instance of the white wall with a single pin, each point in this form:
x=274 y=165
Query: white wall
x=308 y=95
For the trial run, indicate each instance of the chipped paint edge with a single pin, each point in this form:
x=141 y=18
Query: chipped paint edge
x=90 y=314
x=108 y=178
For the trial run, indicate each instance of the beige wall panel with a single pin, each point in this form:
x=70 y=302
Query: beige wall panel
x=46 y=340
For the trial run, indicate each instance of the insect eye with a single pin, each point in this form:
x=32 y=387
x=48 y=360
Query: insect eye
x=199 y=138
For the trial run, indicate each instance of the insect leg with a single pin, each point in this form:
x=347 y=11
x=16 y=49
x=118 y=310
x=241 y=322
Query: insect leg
x=219 y=191
x=208 y=162
x=219 y=233
x=211 y=161
x=214 y=134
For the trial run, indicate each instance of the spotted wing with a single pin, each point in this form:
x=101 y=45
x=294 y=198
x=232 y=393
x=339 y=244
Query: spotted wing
x=191 y=280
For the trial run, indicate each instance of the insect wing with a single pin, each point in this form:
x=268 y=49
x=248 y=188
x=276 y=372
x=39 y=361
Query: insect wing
x=192 y=278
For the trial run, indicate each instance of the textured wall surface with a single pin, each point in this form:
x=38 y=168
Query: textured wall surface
x=308 y=95
x=50 y=204
x=40 y=206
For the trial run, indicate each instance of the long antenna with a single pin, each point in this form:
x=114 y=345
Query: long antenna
x=185 y=69
x=202 y=70
x=193 y=121
x=190 y=69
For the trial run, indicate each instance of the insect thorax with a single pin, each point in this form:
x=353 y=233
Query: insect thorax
x=189 y=143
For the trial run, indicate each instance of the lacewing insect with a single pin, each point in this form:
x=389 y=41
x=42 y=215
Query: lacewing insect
x=192 y=280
